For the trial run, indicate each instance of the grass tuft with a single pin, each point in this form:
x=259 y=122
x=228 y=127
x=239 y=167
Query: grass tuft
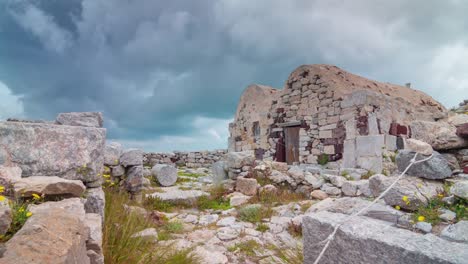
x=254 y=214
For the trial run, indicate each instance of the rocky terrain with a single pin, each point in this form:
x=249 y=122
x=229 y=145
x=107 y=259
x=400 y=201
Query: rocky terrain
x=68 y=196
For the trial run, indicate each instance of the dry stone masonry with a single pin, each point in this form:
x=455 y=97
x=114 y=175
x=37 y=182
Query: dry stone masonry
x=196 y=159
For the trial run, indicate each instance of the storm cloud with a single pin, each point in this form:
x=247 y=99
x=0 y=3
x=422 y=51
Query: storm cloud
x=168 y=74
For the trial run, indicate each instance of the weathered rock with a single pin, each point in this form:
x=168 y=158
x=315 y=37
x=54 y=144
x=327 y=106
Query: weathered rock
x=85 y=119
x=208 y=219
x=237 y=160
x=418 y=146
x=435 y=168
x=227 y=233
x=330 y=189
x=228 y=221
x=452 y=161
x=315 y=180
x=174 y=194
x=462 y=131
x=440 y=135
x=118 y=171
x=209 y=256
x=318 y=194
x=48 y=186
x=457 y=232
x=166 y=175
x=337 y=180
x=458 y=120
x=5 y=216
x=131 y=157
x=279 y=166
x=279 y=177
x=55 y=233
x=219 y=171
x=247 y=186
x=416 y=190
x=356 y=188
x=297 y=173
x=134 y=180
x=425 y=227
x=10 y=174
x=74 y=153
x=237 y=198
x=112 y=153
x=95 y=201
x=94 y=242
x=460 y=189
x=374 y=239
x=351 y=205
x=447 y=215
x=269 y=188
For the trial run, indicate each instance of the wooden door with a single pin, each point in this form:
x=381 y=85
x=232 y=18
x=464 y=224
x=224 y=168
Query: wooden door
x=292 y=144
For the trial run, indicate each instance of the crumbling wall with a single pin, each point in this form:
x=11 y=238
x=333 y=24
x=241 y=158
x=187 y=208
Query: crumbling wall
x=194 y=159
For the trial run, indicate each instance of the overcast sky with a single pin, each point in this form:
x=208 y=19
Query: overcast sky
x=168 y=74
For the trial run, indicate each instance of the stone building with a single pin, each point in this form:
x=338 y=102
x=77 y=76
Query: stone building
x=324 y=112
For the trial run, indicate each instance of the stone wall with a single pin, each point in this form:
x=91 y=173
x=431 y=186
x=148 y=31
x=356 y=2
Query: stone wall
x=195 y=159
x=330 y=106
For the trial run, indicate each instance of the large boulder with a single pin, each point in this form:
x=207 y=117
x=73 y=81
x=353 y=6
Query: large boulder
x=435 y=168
x=247 y=186
x=131 y=157
x=418 y=146
x=112 y=153
x=365 y=240
x=166 y=175
x=85 y=119
x=55 y=233
x=48 y=186
x=74 y=153
x=440 y=135
x=237 y=160
x=408 y=192
x=457 y=232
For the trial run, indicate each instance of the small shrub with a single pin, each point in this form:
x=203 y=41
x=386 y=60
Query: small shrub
x=305 y=206
x=295 y=230
x=218 y=203
x=367 y=175
x=155 y=203
x=393 y=158
x=20 y=214
x=247 y=248
x=344 y=173
x=173 y=227
x=262 y=227
x=281 y=196
x=254 y=214
x=323 y=159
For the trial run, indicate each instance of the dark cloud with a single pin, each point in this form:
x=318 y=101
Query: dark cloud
x=155 y=67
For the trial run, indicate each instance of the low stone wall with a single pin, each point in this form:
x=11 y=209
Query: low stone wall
x=194 y=159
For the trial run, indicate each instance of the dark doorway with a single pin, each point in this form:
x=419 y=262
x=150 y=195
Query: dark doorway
x=292 y=144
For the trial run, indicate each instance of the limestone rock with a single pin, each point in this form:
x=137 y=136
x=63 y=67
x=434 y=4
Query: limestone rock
x=356 y=188
x=48 y=186
x=416 y=190
x=297 y=173
x=318 y=194
x=457 y=232
x=247 y=186
x=95 y=201
x=118 y=171
x=85 y=119
x=69 y=152
x=208 y=219
x=55 y=233
x=460 y=189
x=462 y=131
x=131 y=157
x=166 y=175
x=435 y=168
x=269 y=188
x=440 y=135
x=219 y=171
x=5 y=216
x=174 y=194
x=112 y=153
x=10 y=174
x=418 y=146
x=337 y=180
x=149 y=233
x=279 y=177
x=458 y=120
x=134 y=180
x=94 y=242
x=315 y=180
x=237 y=160
x=330 y=189
x=375 y=239
x=237 y=199
x=425 y=227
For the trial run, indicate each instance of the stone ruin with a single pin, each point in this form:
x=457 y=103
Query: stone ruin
x=324 y=112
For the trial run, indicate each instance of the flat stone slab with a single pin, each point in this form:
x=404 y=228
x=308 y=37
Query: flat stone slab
x=365 y=240
x=48 y=186
x=174 y=194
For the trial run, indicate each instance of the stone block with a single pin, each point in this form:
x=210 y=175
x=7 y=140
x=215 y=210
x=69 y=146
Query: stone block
x=349 y=153
x=370 y=146
x=326 y=134
x=373 y=164
x=390 y=142
x=365 y=240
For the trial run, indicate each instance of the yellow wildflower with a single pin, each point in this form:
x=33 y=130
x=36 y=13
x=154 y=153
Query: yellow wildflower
x=2 y=198
x=106 y=175
x=404 y=198
x=440 y=195
x=36 y=196
x=21 y=210
x=84 y=166
x=397 y=207
x=421 y=218
x=108 y=180
x=28 y=214
x=2 y=188
x=117 y=161
x=112 y=184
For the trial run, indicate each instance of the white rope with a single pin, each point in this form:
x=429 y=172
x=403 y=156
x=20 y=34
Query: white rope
x=332 y=235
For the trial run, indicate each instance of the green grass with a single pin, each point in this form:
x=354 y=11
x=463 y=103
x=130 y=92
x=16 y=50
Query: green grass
x=19 y=217
x=254 y=214
x=247 y=248
x=289 y=255
x=120 y=247
x=431 y=210
x=282 y=196
x=323 y=159
x=262 y=227
x=215 y=203
x=193 y=175
x=155 y=203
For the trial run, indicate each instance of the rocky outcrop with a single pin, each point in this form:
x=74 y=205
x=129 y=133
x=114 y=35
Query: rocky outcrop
x=69 y=152
x=84 y=119
x=365 y=240
x=440 y=135
x=435 y=168
x=55 y=233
